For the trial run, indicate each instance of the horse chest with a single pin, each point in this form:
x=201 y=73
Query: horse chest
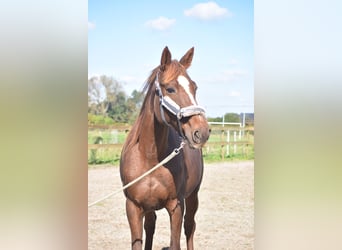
x=154 y=191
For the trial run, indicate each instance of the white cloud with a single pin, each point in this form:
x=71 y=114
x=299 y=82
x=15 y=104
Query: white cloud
x=207 y=11
x=161 y=23
x=91 y=25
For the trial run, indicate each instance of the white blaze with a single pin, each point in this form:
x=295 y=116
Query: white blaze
x=186 y=86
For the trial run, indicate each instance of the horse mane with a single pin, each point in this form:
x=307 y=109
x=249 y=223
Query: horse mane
x=173 y=70
x=133 y=136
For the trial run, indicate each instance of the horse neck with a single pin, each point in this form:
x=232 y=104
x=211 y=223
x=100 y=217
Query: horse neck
x=153 y=139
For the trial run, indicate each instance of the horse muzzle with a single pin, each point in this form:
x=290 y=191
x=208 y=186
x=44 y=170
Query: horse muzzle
x=196 y=131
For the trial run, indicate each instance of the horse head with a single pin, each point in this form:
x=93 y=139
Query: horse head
x=175 y=99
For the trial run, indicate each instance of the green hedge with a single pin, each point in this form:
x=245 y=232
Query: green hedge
x=100 y=120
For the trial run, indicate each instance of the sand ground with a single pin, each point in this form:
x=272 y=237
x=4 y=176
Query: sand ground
x=225 y=218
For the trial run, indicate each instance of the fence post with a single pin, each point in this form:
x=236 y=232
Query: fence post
x=228 y=140
x=247 y=143
x=114 y=136
x=234 y=143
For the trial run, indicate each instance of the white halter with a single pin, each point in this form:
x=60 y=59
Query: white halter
x=174 y=108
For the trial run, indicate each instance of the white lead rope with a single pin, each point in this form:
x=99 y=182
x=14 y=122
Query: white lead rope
x=167 y=159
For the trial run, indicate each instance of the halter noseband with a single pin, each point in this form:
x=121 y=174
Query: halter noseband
x=174 y=108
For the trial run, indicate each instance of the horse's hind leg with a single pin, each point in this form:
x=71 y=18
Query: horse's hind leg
x=149 y=226
x=191 y=205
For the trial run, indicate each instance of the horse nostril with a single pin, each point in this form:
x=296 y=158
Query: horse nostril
x=197 y=136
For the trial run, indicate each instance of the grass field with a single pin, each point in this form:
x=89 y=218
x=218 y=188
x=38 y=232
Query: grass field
x=215 y=150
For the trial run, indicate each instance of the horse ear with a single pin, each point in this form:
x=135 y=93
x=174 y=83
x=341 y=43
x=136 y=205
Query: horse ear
x=165 y=59
x=187 y=58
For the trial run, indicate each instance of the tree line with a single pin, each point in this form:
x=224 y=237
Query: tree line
x=108 y=103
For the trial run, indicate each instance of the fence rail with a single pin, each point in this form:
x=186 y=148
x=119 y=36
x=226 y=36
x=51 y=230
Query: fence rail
x=227 y=141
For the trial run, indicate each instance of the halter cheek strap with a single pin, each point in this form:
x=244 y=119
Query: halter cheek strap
x=167 y=103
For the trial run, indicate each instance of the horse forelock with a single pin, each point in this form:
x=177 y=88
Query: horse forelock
x=173 y=70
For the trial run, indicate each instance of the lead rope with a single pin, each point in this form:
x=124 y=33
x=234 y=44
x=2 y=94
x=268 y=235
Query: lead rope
x=167 y=159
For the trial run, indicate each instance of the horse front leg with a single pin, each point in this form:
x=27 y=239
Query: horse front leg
x=191 y=206
x=175 y=209
x=135 y=220
x=149 y=225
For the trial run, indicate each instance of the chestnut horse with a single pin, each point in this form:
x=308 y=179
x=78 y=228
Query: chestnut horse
x=169 y=115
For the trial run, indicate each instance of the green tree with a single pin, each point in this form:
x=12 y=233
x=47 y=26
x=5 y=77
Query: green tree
x=137 y=98
x=134 y=104
x=118 y=108
x=96 y=97
x=228 y=117
x=231 y=117
x=107 y=98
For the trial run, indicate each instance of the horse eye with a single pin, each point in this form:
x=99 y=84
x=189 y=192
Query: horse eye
x=170 y=90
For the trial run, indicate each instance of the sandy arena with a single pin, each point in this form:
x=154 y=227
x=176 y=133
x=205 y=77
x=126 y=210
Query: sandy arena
x=225 y=218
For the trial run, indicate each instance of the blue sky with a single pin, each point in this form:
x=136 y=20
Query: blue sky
x=126 y=39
